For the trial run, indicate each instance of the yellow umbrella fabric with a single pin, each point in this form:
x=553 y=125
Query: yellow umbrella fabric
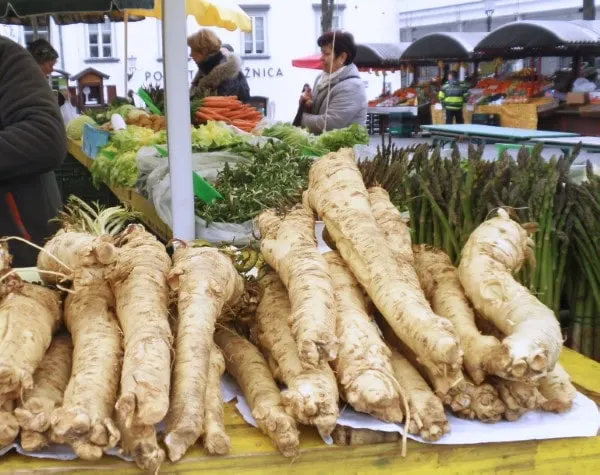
x=220 y=13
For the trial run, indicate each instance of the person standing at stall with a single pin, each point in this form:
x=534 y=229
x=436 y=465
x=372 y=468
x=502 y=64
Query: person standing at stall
x=33 y=143
x=44 y=54
x=453 y=96
x=217 y=74
x=338 y=98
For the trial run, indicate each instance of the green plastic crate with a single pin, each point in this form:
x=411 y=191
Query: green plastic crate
x=503 y=147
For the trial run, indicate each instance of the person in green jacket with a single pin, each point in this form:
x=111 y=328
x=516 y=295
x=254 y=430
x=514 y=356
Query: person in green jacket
x=453 y=96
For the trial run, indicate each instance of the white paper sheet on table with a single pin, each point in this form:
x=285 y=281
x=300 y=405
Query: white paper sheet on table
x=583 y=420
x=229 y=391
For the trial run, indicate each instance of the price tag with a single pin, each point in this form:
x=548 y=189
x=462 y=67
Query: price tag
x=438 y=107
x=470 y=107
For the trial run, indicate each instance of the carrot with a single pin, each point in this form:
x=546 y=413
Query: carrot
x=213 y=114
x=203 y=117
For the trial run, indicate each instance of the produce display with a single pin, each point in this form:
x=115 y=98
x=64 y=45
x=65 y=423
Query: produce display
x=376 y=323
x=405 y=96
x=227 y=109
x=448 y=198
x=516 y=89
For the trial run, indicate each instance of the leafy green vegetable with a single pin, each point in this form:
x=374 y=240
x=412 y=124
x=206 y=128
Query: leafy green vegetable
x=134 y=138
x=214 y=136
x=294 y=136
x=274 y=178
x=75 y=126
x=327 y=142
x=334 y=140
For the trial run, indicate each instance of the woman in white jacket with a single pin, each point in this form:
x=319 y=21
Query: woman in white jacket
x=338 y=98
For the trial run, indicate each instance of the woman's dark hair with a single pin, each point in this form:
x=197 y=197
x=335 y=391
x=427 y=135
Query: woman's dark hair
x=344 y=43
x=42 y=51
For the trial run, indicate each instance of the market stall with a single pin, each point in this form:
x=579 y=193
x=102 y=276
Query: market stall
x=445 y=49
x=445 y=439
x=556 y=109
x=366 y=451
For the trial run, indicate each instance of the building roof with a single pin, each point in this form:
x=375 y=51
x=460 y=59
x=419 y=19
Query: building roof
x=379 y=54
x=552 y=38
x=80 y=74
x=445 y=45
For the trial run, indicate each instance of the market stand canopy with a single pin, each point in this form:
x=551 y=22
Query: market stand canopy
x=443 y=46
x=549 y=38
x=66 y=12
x=220 y=13
x=369 y=56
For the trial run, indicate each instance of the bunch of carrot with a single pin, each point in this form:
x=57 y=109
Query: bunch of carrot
x=230 y=110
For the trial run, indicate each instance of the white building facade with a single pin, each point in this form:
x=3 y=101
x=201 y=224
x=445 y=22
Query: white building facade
x=283 y=30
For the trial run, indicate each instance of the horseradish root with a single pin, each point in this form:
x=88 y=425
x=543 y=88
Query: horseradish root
x=363 y=365
x=246 y=364
x=494 y=252
x=439 y=280
x=205 y=281
x=337 y=193
x=289 y=246
x=311 y=396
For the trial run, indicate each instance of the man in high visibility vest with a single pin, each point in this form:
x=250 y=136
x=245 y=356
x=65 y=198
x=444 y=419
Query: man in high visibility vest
x=453 y=96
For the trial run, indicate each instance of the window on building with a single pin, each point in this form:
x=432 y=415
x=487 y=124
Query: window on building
x=100 y=41
x=337 y=20
x=255 y=42
x=29 y=34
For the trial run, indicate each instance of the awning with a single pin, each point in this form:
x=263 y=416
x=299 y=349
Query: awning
x=67 y=12
x=542 y=38
x=369 y=56
x=446 y=46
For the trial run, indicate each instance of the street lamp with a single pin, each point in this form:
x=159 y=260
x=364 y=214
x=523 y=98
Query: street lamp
x=489 y=13
x=131 y=66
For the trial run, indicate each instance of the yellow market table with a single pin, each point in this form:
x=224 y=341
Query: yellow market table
x=253 y=454
x=519 y=116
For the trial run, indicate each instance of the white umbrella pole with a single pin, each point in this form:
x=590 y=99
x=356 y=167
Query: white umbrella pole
x=126 y=33
x=175 y=54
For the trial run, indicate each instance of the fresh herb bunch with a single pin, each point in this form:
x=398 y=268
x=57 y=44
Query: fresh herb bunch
x=274 y=178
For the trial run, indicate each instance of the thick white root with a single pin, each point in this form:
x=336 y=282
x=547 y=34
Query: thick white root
x=495 y=251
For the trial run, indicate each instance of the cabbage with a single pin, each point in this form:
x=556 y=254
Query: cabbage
x=124 y=110
x=135 y=114
x=75 y=126
x=133 y=138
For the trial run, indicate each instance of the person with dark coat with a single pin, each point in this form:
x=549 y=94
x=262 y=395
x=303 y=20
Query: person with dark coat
x=33 y=143
x=218 y=74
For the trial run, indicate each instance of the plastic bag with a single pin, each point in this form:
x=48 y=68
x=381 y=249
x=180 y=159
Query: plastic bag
x=583 y=85
x=207 y=165
x=68 y=111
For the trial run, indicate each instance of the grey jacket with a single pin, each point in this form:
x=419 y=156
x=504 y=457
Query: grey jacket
x=347 y=103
